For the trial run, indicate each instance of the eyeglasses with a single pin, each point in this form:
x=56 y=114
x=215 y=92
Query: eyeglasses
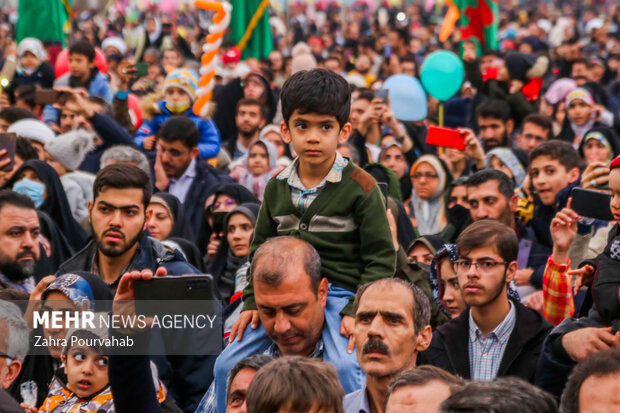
x=428 y=176
x=483 y=266
x=5 y=356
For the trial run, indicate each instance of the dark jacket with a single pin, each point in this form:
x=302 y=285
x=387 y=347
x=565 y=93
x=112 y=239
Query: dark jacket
x=8 y=404
x=537 y=254
x=449 y=348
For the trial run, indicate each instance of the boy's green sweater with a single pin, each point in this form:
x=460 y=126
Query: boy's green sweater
x=346 y=223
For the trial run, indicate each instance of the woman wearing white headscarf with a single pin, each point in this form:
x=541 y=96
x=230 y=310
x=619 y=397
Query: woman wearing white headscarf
x=426 y=205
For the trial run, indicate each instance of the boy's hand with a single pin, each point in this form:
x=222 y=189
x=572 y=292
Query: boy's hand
x=27 y=408
x=74 y=101
x=34 y=301
x=346 y=329
x=242 y=322
x=584 y=275
x=149 y=143
x=535 y=300
x=563 y=231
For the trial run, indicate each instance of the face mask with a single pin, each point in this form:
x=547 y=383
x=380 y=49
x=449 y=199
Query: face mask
x=32 y=189
x=458 y=214
x=177 y=108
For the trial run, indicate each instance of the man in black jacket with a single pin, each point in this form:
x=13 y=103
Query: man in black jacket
x=496 y=336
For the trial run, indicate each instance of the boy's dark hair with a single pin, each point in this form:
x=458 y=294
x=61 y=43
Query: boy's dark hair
x=123 y=176
x=543 y=121
x=423 y=375
x=561 y=151
x=489 y=233
x=13 y=114
x=25 y=150
x=253 y=102
x=494 y=109
x=504 y=184
x=84 y=48
x=601 y=364
x=253 y=362
x=295 y=384
x=10 y=197
x=317 y=91
x=180 y=128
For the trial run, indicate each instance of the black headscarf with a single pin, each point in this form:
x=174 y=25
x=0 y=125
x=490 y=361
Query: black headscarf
x=56 y=204
x=61 y=250
x=180 y=226
x=239 y=193
x=608 y=134
x=225 y=264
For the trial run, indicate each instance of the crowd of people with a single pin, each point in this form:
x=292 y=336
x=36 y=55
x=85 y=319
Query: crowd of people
x=359 y=268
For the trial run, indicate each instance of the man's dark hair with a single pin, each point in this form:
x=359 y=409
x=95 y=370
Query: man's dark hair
x=84 y=48
x=490 y=52
x=253 y=102
x=335 y=57
x=253 y=362
x=366 y=94
x=26 y=93
x=601 y=364
x=123 y=176
x=580 y=60
x=13 y=114
x=402 y=34
x=10 y=197
x=295 y=384
x=421 y=376
x=106 y=107
x=355 y=154
x=543 y=121
x=25 y=150
x=561 y=151
x=180 y=128
x=494 y=109
x=280 y=252
x=489 y=233
x=504 y=184
x=317 y=91
x=421 y=310
x=502 y=395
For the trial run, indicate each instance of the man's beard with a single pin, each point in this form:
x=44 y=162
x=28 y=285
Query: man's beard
x=249 y=133
x=19 y=270
x=114 y=251
x=494 y=143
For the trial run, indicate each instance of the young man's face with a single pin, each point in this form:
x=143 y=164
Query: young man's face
x=175 y=157
x=117 y=218
x=79 y=65
x=549 y=177
x=69 y=120
x=600 y=393
x=532 y=136
x=87 y=372
x=235 y=402
x=484 y=286
x=614 y=186
x=249 y=119
x=494 y=132
x=385 y=338
x=315 y=137
x=486 y=201
x=579 y=112
x=358 y=108
x=171 y=59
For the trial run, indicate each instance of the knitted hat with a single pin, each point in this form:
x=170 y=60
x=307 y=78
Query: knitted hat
x=509 y=159
x=272 y=152
x=71 y=148
x=32 y=45
x=526 y=66
x=268 y=129
x=183 y=79
x=580 y=94
x=115 y=42
x=302 y=58
x=231 y=56
x=32 y=129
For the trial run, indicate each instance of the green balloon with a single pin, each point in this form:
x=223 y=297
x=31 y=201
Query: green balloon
x=442 y=74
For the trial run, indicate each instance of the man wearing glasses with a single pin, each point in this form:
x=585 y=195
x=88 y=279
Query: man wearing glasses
x=13 y=349
x=496 y=335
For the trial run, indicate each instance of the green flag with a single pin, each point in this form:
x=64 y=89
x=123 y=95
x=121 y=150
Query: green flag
x=245 y=14
x=42 y=19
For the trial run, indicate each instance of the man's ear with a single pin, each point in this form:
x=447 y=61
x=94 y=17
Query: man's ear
x=510 y=126
x=148 y=214
x=573 y=174
x=344 y=134
x=424 y=339
x=511 y=271
x=322 y=294
x=262 y=123
x=194 y=152
x=513 y=203
x=286 y=137
x=13 y=370
x=90 y=210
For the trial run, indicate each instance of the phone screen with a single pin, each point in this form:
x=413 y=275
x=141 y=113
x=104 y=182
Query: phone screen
x=8 y=142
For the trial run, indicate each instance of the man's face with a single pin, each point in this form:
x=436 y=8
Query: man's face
x=19 y=242
x=292 y=313
x=494 y=133
x=532 y=136
x=315 y=137
x=486 y=201
x=117 y=218
x=254 y=88
x=249 y=119
x=385 y=338
x=600 y=394
x=9 y=368
x=171 y=59
x=394 y=159
x=549 y=177
x=175 y=157
x=79 y=65
x=362 y=64
x=235 y=402
x=426 y=398
x=579 y=112
x=333 y=65
x=579 y=72
x=69 y=120
x=407 y=68
x=482 y=287
x=358 y=107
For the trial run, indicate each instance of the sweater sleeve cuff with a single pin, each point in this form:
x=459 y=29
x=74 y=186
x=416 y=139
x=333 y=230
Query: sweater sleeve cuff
x=249 y=304
x=558 y=268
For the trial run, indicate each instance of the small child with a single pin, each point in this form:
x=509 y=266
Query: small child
x=33 y=68
x=259 y=167
x=179 y=94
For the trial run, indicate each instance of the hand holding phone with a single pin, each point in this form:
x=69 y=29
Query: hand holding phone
x=7 y=151
x=383 y=94
x=445 y=137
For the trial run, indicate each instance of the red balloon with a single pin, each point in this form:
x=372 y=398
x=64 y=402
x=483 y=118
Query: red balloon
x=134 y=110
x=62 y=62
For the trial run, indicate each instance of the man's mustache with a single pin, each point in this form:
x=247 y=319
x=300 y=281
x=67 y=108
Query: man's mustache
x=25 y=253
x=376 y=346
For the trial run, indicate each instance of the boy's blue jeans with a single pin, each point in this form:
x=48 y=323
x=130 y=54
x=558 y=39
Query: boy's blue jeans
x=256 y=341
